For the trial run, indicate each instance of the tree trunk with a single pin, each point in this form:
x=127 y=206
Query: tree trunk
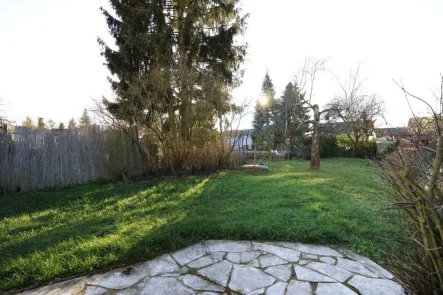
x=185 y=102
x=436 y=169
x=315 y=148
x=356 y=146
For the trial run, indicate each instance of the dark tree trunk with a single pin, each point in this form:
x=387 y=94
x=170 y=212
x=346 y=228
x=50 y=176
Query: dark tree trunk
x=315 y=149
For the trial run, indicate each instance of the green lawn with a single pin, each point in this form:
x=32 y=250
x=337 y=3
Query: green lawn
x=80 y=230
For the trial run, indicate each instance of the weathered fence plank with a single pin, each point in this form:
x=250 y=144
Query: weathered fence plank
x=36 y=159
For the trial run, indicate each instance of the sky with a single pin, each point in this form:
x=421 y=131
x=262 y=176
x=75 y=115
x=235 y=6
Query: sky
x=50 y=63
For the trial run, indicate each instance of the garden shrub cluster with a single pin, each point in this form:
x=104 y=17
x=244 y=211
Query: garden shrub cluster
x=342 y=146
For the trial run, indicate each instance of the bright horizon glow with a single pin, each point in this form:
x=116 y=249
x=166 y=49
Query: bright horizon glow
x=50 y=63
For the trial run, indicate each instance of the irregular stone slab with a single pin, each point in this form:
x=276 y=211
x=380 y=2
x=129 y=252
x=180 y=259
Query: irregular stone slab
x=243 y=257
x=218 y=256
x=309 y=256
x=333 y=288
x=235 y=266
x=313 y=249
x=189 y=254
x=171 y=275
x=91 y=290
x=247 y=279
x=209 y=293
x=228 y=246
x=200 y=284
x=70 y=287
x=234 y=257
x=257 y=292
x=371 y=265
x=328 y=260
x=271 y=260
x=117 y=280
x=285 y=253
x=183 y=270
x=161 y=265
x=218 y=272
x=304 y=261
x=306 y=274
x=247 y=257
x=299 y=288
x=355 y=267
x=130 y=291
x=281 y=272
x=283 y=244
x=368 y=286
x=254 y=263
x=170 y=286
x=201 y=262
x=332 y=271
x=277 y=289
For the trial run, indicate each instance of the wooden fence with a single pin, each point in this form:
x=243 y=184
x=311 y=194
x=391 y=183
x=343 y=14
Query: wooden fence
x=36 y=159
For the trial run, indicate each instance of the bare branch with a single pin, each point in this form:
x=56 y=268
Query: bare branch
x=425 y=102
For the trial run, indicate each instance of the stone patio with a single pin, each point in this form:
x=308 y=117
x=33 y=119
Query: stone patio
x=240 y=267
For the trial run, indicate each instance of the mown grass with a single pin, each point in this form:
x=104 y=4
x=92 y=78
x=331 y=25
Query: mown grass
x=49 y=234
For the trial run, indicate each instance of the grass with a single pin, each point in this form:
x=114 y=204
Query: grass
x=61 y=233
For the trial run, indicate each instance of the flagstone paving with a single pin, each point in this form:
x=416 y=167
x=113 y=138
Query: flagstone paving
x=240 y=267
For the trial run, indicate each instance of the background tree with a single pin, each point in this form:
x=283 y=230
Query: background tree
x=51 y=124
x=40 y=123
x=305 y=78
x=286 y=115
x=61 y=126
x=168 y=53
x=263 y=116
x=72 y=124
x=85 y=120
x=356 y=109
x=28 y=123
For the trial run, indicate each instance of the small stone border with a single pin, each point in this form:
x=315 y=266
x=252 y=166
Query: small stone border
x=241 y=267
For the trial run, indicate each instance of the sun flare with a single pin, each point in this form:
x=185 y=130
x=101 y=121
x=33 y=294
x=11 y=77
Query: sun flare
x=263 y=99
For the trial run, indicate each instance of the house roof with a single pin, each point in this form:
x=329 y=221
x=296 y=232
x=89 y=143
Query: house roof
x=389 y=132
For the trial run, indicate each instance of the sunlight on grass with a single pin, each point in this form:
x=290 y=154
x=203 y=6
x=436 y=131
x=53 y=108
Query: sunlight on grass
x=316 y=181
x=75 y=231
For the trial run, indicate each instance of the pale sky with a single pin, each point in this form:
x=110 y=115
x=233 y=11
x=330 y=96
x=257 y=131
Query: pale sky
x=50 y=63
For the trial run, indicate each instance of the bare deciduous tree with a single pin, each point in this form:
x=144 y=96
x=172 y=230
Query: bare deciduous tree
x=305 y=78
x=357 y=109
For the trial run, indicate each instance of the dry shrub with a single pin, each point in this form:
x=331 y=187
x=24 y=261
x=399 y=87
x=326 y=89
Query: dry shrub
x=205 y=153
x=418 y=257
x=414 y=172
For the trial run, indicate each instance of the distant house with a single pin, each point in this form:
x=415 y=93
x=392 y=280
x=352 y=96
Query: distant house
x=240 y=139
x=421 y=131
x=391 y=134
x=6 y=126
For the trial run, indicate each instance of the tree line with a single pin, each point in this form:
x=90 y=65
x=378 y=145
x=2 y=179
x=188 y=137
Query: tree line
x=84 y=121
x=294 y=119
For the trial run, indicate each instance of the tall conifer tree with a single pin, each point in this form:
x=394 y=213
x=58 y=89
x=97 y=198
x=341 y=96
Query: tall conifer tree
x=263 y=116
x=166 y=51
x=85 y=120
